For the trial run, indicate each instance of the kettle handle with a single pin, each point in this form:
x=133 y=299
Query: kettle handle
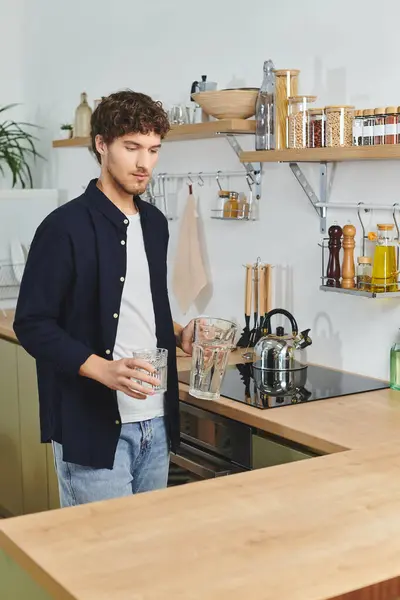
x=194 y=88
x=285 y=313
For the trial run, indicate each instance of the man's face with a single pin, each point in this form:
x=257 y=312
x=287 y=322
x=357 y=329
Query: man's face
x=130 y=160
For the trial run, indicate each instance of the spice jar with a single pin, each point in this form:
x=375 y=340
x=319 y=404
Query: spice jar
x=398 y=126
x=391 y=121
x=231 y=206
x=379 y=126
x=368 y=127
x=298 y=120
x=339 y=125
x=358 y=128
x=364 y=273
x=316 y=138
x=223 y=197
x=286 y=85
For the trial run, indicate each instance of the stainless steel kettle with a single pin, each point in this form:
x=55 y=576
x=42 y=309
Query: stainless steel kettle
x=278 y=351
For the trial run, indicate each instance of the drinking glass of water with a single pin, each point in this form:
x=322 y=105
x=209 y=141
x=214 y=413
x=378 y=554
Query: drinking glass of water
x=213 y=341
x=158 y=358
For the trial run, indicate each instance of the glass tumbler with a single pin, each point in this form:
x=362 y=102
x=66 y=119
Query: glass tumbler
x=213 y=341
x=158 y=358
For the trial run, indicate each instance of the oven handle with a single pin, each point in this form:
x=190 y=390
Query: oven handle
x=193 y=463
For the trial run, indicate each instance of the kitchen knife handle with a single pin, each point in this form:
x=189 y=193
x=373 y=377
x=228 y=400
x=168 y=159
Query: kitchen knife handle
x=248 y=291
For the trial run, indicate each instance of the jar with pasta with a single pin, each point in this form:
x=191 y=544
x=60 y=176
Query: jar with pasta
x=286 y=85
x=339 y=125
x=298 y=120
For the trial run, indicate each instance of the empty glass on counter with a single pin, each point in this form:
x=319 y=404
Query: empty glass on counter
x=213 y=341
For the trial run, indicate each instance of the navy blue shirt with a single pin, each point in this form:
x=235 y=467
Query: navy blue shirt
x=70 y=293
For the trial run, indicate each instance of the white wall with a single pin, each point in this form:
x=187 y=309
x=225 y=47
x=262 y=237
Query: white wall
x=345 y=53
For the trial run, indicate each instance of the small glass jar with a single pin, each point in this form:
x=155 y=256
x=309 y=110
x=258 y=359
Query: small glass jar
x=298 y=126
x=364 y=273
x=391 y=122
x=358 y=128
x=223 y=197
x=286 y=85
x=398 y=126
x=231 y=206
x=368 y=127
x=339 y=126
x=316 y=138
x=379 y=126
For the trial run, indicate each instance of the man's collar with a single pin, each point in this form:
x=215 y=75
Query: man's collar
x=98 y=199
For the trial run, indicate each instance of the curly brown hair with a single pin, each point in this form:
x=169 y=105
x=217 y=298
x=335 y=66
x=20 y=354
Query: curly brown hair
x=127 y=112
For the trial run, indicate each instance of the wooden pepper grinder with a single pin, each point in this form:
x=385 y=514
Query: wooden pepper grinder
x=334 y=245
x=348 y=268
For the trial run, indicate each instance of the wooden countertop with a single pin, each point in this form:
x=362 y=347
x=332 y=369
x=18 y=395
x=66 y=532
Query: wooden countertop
x=319 y=529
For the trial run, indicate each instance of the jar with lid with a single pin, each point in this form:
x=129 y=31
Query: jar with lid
x=316 y=138
x=391 y=122
x=368 y=127
x=223 y=197
x=384 y=272
x=339 y=125
x=286 y=85
x=358 y=128
x=379 y=126
x=298 y=125
x=364 y=273
x=398 y=126
x=231 y=206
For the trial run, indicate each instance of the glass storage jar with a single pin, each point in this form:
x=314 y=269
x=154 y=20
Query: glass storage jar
x=316 y=138
x=223 y=197
x=379 y=126
x=358 y=128
x=364 y=273
x=231 y=206
x=368 y=127
x=391 y=122
x=298 y=120
x=286 y=85
x=339 y=125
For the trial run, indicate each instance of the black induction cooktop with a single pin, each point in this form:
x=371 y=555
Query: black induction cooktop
x=321 y=384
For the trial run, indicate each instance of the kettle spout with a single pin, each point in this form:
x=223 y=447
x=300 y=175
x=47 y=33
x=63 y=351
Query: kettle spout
x=302 y=340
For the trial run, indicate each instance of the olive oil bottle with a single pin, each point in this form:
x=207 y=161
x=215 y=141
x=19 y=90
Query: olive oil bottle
x=395 y=366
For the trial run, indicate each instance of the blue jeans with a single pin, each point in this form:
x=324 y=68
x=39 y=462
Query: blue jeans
x=141 y=464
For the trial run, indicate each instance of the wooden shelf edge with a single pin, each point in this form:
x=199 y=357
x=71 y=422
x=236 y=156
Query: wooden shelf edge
x=183 y=132
x=352 y=153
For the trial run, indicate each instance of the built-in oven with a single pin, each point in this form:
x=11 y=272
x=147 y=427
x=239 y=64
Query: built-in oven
x=214 y=446
x=211 y=446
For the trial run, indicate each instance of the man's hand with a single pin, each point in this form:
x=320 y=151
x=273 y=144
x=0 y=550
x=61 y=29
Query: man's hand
x=186 y=338
x=118 y=374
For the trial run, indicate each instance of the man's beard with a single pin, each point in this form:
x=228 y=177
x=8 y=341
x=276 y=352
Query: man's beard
x=136 y=189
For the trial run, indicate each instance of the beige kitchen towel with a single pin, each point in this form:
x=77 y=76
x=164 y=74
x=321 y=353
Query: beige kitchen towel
x=190 y=276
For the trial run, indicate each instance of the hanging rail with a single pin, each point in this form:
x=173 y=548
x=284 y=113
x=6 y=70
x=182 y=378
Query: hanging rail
x=201 y=174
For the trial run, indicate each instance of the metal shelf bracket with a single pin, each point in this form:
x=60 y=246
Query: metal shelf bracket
x=253 y=170
x=310 y=193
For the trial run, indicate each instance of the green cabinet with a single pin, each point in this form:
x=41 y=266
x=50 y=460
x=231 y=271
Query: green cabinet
x=27 y=477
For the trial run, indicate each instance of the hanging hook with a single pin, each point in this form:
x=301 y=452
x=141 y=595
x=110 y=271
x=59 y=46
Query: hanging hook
x=250 y=181
x=190 y=180
x=362 y=226
x=396 y=205
x=217 y=180
x=200 y=180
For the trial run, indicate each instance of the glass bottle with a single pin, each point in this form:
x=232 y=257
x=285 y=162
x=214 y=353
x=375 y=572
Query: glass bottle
x=358 y=128
x=384 y=272
x=265 y=110
x=231 y=207
x=364 y=273
x=379 y=126
x=83 y=115
x=368 y=127
x=395 y=366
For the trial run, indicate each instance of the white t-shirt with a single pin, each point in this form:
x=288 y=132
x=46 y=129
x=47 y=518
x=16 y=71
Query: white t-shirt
x=136 y=325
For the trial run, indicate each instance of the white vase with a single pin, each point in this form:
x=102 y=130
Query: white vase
x=65 y=134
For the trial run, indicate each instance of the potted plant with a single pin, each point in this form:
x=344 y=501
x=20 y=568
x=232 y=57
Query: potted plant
x=66 y=131
x=17 y=150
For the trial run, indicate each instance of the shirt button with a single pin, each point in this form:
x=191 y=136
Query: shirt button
x=126 y=221
x=108 y=351
x=122 y=279
x=115 y=315
x=122 y=242
x=117 y=422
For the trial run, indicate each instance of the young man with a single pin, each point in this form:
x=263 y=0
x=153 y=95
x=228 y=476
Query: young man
x=95 y=289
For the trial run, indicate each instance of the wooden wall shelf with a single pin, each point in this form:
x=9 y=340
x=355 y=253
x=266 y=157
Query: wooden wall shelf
x=183 y=132
x=390 y=152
